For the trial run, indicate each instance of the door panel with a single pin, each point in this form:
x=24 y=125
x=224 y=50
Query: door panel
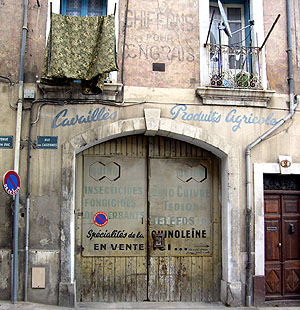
x=147 y=185
x=116 y=187
x=273 y=279
x=272 y=236
x=282 y=246
x=180 y=206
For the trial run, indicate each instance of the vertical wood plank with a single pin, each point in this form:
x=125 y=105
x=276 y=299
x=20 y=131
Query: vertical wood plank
x=108 y=279
x=199 y=152
x=141 y=280
x=188 y=150
x=156 y=150
x=134 y=146
x=153 y=279
x=129 y=146
x=178 y=148
x=161 y=146
x=172 y=280
x=113 y=147
x=197 y=277
x=140 y=146
x=150 y=147
x=124 y=146
x=186 y=279
x=98 y=278
x=183 y=149
x=167 y=148
x=96 y=149
x=163 y=278
x=131 y=279
x=208 y=279
x=87 y=275
x=107 y=148
x=101 y=149
x=175 y=276
x=194 y=151
x=173 y=148
x=119 y=146
x=119 y=276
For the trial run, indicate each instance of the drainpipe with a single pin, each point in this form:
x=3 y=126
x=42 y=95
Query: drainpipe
x=124 y=46
x=27 y=208
x=17 y=152
x=292 y=105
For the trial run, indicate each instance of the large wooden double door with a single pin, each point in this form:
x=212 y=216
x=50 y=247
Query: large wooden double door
x=282 y=245
x=161 y=238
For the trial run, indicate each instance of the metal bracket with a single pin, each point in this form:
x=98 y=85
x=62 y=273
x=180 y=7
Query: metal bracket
x=158 y=241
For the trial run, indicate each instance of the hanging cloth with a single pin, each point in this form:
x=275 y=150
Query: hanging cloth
x=80 y=48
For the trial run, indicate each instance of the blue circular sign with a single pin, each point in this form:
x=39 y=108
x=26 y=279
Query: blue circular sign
x=100 y=219
x=11 y=182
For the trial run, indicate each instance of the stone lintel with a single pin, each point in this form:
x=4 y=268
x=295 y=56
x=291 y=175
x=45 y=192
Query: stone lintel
x=152 y=118
x=234 y=96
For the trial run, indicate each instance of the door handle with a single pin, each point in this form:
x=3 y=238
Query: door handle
x=291 y=229
x=279 y=244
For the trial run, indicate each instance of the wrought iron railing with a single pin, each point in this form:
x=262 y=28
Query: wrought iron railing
x=234 y=66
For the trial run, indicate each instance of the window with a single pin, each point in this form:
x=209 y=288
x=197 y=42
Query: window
x=233 y=60
x=84 y=7
x=235 y=15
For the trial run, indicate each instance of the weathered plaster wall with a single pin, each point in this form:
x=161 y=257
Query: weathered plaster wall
x=11 y=22
x=164 y=32
x=276 y=45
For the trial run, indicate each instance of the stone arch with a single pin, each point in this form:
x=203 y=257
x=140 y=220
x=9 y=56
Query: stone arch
x=231 y=287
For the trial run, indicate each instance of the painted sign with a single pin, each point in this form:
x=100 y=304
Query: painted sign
x=63 y=119
x=118 y=188
x=180 y=206
x=11 y=182
x=6 y=142
x=162 y=33
x=233 y=117
x=100 y=219
x=47 y=142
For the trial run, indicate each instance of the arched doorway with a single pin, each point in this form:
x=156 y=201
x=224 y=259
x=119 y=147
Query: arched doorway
x=161 y=240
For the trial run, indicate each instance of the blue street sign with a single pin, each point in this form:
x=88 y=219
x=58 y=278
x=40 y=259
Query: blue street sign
x=6 y=142
x=46 y=142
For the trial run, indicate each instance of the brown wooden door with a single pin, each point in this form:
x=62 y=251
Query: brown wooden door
x=282 y=247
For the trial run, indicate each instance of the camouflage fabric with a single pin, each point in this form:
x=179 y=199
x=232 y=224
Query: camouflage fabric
x=81 y=48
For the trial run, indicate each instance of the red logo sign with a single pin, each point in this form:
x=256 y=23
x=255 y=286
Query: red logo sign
x=100 y=219
x=11 y=182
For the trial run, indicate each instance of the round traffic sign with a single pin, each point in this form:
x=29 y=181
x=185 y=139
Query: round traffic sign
x=100 y=219
x=11 y=182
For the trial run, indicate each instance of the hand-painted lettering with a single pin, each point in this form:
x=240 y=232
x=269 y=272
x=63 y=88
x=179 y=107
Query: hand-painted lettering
x=181 y=112
x=97 y=115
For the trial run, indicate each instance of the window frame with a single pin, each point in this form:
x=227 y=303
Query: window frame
x=253 y=11
x=84 y=7
x=245 y=40
x=111 y=8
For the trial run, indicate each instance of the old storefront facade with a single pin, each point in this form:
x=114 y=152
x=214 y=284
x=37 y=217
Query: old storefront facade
x=179 y=181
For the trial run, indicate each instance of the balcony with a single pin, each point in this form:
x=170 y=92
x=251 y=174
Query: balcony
x=234 y=66
x=234 y=77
